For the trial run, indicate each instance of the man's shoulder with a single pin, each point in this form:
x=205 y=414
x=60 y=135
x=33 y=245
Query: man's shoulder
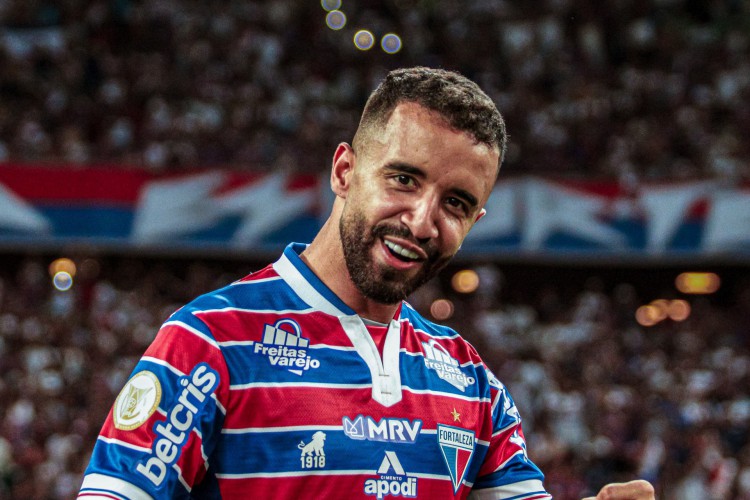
x=263 y=290
x=444 y=344
x=441 y=333
x=264 y=275
x=419 y=322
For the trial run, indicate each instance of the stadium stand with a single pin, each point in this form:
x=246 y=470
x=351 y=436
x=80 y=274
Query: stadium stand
x=628 y=90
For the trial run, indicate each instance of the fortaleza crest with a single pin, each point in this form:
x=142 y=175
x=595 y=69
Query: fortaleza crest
x=457 y=446
x=393 y=480
x=436 y=358
x=286 y=348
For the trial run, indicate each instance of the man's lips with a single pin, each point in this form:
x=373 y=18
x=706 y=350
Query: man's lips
x=396 y=261
x=405 y=249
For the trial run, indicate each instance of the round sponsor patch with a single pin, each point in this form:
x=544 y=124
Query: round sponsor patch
x=137 y=401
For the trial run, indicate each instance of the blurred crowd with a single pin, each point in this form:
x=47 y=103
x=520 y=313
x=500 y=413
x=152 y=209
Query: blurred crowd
x=624 y=89
x=64 y=355
x=603 y=399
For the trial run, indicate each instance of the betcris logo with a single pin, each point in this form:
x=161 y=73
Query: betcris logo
x=392 y=481
x=388 y=430
x=173 y=433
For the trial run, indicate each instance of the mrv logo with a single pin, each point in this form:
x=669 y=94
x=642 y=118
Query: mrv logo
x=389 y=430
x=436 y=358
x=393 y=480
x=172 y=434
x=286 y=349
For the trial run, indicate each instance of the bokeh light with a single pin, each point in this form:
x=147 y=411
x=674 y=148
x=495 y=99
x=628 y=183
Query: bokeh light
x=661 y=306
x=698 y=283
x=390 y=43
x=62 y=280
x=465 y=281
x=336 y=20
x=679 y=310
x=62 y=264
x=441 y=309
x=647 y=315
x=661 y=309
x=330 y=5
x=364 y=40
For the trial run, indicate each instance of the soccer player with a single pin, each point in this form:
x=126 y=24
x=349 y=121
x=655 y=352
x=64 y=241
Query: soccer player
x=313 y=378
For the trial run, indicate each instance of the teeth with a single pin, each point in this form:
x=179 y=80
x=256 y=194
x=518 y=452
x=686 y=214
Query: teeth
x=403 y=252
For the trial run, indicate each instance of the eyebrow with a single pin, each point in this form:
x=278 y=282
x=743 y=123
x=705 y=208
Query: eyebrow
x=418 y=172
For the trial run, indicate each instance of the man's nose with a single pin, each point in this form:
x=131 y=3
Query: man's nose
x=421 y=218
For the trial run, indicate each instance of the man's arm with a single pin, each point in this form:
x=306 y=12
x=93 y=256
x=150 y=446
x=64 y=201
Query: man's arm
x=632 y=490
x=507 y=472
x=165 y=422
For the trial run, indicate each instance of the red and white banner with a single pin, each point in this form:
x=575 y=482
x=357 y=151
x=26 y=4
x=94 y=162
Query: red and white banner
x=224 y=210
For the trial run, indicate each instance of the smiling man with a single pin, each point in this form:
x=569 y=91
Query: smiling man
x=313 y=378
x=407 y=194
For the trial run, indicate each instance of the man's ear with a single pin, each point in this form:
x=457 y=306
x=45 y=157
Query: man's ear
x=341 y=170
x=481 y=214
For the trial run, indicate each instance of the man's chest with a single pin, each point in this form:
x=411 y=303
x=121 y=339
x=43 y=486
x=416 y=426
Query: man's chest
x=303 y=401
x=312 y=367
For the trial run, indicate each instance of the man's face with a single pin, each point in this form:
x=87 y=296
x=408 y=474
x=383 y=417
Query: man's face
x=415 y=191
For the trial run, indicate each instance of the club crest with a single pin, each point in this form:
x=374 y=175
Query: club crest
x=457 y=447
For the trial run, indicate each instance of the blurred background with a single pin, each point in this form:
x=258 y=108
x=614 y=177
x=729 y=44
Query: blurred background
x=154 y=150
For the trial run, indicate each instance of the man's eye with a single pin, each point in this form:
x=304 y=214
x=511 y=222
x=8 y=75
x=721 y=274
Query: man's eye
x=404 y=180
x=456 y=203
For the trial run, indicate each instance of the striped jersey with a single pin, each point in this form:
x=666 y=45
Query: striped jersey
x=272 y=387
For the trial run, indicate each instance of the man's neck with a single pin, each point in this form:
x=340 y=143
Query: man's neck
x=325 y=257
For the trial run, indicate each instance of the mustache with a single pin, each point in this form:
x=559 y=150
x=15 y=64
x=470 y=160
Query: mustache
x=386 y=229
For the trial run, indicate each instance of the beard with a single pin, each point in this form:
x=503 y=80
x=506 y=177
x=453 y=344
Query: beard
x=381 y=283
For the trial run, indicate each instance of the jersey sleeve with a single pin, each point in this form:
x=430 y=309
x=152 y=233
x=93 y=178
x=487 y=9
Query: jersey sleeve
x=166 y=420
x=507 y=472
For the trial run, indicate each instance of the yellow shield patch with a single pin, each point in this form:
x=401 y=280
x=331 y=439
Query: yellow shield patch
x=137 y=401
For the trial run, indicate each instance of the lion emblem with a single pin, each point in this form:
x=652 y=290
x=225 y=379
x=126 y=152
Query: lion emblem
x=315 y=446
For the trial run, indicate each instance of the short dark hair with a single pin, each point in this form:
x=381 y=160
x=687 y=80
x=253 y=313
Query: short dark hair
x=459 y=100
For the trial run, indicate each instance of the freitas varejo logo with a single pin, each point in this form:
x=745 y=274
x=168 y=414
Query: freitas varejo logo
x=286 y=348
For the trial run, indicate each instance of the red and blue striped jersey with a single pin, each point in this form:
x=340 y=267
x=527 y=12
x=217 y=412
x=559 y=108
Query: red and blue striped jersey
x=272 y=387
